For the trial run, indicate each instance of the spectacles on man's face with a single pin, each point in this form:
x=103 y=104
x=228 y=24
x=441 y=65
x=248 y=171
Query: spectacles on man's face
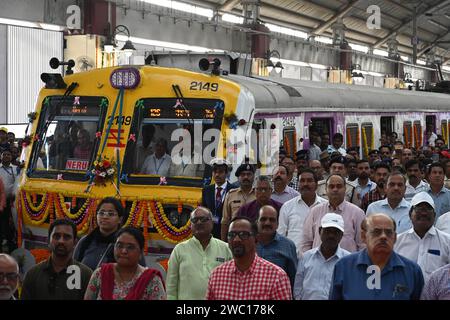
x=127 y=246
x=9 y=276
x=243 y=235
x=200 y=219
x=378 y=232
x=104 y=213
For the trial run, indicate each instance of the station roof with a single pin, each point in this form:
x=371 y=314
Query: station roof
x=316 y=17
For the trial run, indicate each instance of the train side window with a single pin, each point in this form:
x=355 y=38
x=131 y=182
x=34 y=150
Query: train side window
x=352 y=135
x=417 y=130
x=444 y=130
x=258 y=124
x=367 y=138
x=408 y=134
x=289 y=141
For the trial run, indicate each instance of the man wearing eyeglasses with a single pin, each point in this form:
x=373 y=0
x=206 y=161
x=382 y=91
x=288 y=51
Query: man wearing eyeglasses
x=9 y=277
x=377 y=272
x=192 y=261
x=423 y=243
x=263 y=197
x=59 y=277
x=247 y=276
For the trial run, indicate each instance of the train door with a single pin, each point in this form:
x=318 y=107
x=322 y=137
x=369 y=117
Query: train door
x=387 y=125
x=324 y=127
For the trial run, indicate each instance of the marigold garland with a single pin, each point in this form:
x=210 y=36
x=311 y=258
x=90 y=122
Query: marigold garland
x=67 y=212
x=365 y=146
x=165 y=227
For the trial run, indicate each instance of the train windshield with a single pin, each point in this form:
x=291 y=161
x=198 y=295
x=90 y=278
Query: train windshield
x=66 y=136
x=172 y=140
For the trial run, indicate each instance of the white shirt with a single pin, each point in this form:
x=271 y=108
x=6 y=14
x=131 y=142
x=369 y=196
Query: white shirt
x=411 y=191
x=292 y=215
x=430 y=253
x=443 y=222
x=8 y=176
x=314 y=274
x=222 y=192
x=153 y=165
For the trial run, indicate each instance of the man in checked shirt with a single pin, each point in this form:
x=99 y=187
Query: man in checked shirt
x=247 y=276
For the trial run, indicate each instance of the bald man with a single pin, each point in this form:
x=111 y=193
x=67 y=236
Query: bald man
x=9 y=277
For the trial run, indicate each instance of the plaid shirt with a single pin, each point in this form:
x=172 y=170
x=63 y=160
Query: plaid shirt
x=262 y=281
x=294 y=183
x=370 y=197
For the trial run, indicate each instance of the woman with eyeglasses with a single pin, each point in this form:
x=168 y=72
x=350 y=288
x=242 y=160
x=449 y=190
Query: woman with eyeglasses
x=126 y=279
x=97 y=247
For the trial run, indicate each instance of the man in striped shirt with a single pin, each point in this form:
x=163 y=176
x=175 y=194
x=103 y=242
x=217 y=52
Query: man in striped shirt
x=247 y=276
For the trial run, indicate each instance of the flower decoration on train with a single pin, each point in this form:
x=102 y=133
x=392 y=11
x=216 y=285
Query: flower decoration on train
x=32 y=116
x=102 y=172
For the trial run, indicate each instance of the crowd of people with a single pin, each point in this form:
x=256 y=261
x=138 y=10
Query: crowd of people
x=324 y=224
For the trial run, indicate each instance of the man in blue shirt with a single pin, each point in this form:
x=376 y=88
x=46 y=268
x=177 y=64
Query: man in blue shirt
x=377 y=272
x=315 y=267
x=439 y=193
x=274 y=247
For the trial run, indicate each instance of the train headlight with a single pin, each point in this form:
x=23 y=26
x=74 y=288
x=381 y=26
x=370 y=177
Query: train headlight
x=125 y=78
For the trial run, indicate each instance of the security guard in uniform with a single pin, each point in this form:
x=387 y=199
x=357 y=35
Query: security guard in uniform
x=236 y=198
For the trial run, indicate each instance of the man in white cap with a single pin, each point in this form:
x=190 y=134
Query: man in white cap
x=315 y=268
x=423 y=243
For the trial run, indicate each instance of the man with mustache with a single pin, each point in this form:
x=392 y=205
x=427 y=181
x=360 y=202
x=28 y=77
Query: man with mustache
x=192 y=261
x=352 y=215
x=423 y=243
x=59 y=277
x=381 y=173
x=377 y=272
x=315 y=267
x=282 y=192
x=9 y=277
x=263 y=192
x=415 y=184
x=238 y=197
x=247 y=276
x=395 y=204
x=274 y=247
x=294 y=212
x=437 y=191
x=363 y=182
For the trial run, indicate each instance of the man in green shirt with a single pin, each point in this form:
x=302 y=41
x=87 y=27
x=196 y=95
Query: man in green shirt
x=59 y=277
x=192 y=261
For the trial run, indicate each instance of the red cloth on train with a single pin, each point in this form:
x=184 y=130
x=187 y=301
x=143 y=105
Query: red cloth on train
x=136 y=292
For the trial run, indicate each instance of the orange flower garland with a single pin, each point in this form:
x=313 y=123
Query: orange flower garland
x=165 y=227
x=145 y=228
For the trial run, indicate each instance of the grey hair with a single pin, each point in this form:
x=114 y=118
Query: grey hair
x=4 y=256
x=200 y=208
x=262 y=179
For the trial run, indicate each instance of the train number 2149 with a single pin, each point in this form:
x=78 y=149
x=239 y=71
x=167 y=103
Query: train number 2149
x=206 y=86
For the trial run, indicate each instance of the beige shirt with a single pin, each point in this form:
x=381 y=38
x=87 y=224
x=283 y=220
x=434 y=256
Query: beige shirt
x=235 y=199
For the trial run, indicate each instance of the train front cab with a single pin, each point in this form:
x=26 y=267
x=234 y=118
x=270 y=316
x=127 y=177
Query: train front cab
x=88 y=143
